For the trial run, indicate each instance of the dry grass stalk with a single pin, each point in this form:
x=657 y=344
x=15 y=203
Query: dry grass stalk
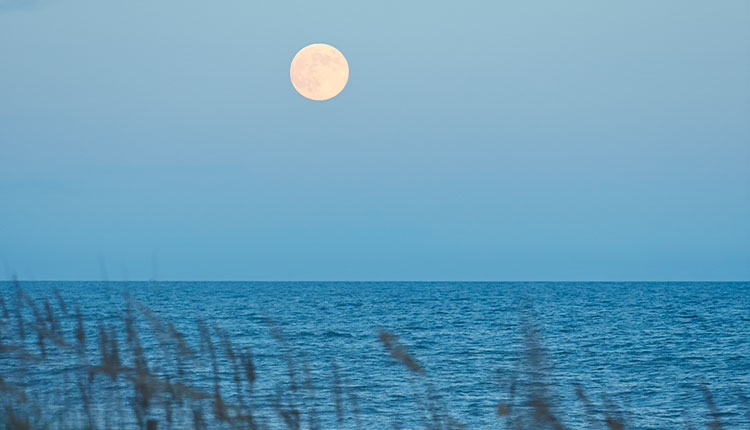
x=399 y=352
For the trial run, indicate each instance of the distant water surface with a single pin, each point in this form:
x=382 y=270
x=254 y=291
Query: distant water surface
x=645 y=346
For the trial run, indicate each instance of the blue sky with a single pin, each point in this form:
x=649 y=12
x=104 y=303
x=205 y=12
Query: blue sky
x=578 y=140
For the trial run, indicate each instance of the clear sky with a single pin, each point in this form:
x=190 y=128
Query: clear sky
x=493 y=140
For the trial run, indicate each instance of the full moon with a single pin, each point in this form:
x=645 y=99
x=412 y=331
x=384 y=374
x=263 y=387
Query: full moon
x=319 y=71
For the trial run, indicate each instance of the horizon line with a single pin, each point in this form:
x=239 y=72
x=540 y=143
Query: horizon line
x=372 y=281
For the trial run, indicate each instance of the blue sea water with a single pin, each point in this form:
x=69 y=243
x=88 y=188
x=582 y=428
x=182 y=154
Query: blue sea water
x=641 y=351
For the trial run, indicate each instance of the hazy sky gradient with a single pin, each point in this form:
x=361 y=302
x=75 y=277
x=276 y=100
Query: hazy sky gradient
x=576 y=140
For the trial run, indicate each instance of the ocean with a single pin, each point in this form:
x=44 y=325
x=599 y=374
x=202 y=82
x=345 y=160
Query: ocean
x=654 y=355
